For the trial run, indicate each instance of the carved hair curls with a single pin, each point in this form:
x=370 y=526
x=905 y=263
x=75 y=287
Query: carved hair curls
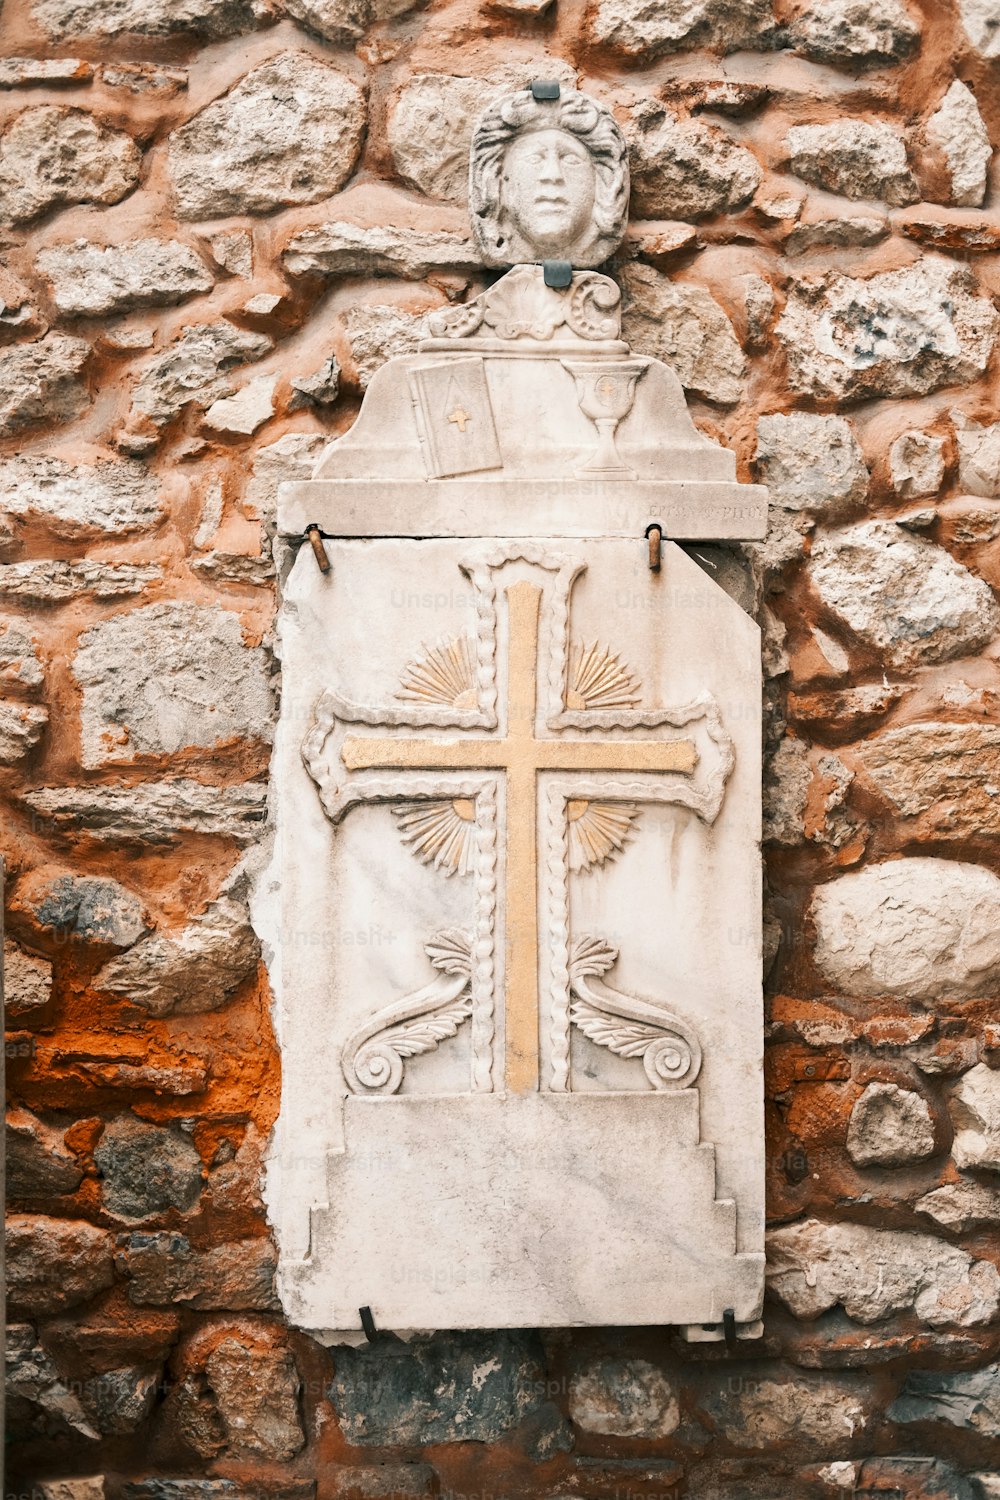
x=583 y=117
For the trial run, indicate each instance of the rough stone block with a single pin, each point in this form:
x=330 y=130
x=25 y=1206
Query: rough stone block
x=905 y=597
x=164 y=1269
x=910 y=1478
x=855 y=33
x=916 y=464
x=28 y=72
x=61 y=906
x=345 y=21
x=638 y=30
x=811 y=463
x=940 y=777
x=623 y=1398
x=978 y=456
x=21 y=727
x=52 y=582
x=821 y=1411
x=212 y=18
x=685 y=327
x=320 y=387
x=146 y=1169
x=961 y=1205
x=374 y=1481
x=51 y=156
x=917 y=928
x=969 y=1399
x=53 y=1264
x=232 y=250
x=194 y=370
x=32 y=1377
x=683 y=169
x=979 y=21
x=41 y=382
x=256 y=1388
x=975 y=1109
x=27 y=981
x=20 y=667
x=376 y=334
x=218 y=1489
x=890 y=1127
x=38 y=1162
x=847 y=233
x=243 y=413
x=342 y=249
x=874 y=1273
x=154 y=812
x=158 y=679
x=193 y=970
x=112 y=1333
x=90 y=280
x=113 y=496
x=897 y=333
x=457 y=1387
x=958 y=131
x=288 y=133
x=119 y=1401
x=856 y=158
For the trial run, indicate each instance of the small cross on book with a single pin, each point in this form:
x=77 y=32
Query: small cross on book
x=460 y=417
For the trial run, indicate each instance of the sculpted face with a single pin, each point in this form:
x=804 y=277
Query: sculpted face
x=548 y=190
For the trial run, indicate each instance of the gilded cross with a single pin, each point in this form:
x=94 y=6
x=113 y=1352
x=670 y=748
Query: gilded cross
x=520 y=755
x=461 y=418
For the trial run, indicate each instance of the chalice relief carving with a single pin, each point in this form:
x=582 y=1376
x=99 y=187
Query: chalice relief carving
x=451 y=825
x=605 y=390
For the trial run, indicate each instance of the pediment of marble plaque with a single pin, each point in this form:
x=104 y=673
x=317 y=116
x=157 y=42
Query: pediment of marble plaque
x=529 y=380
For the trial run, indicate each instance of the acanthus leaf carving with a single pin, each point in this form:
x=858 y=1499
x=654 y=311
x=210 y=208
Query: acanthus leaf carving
x=374 y=1055
x=629 y=1027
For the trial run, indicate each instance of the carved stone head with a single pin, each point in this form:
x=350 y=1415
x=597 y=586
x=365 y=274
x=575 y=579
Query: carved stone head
x=548 y=180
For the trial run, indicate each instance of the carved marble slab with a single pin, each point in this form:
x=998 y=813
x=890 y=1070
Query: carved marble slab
x=519 y=969
x=517 y=964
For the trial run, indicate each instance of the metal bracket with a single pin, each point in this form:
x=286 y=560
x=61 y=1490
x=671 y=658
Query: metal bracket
x=729 y=1325
x=654 y=537
x=368 y=1324
x=557 y=273
x=544 y=88
x=319 y=551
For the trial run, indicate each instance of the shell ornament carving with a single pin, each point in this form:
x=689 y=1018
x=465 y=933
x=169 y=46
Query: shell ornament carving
x=443 y=674
x=599 y=679
x=598 y=831
x=442 y=834
x=669 y=1049
x=520 y=306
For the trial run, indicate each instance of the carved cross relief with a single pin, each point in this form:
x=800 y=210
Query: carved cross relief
x=444 y=796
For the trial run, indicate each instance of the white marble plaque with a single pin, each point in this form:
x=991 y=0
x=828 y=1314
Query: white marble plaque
x=517 y=794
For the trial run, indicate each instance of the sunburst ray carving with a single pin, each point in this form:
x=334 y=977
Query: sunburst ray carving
x=441 y=834
x=599 y=679
x=443 y=674
x=598 y=831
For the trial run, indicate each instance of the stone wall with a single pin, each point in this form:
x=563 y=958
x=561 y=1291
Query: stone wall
x=221 y=216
